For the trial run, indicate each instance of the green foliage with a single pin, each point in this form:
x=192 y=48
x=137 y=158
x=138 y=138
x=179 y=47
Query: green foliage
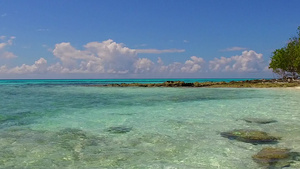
x=286 y=61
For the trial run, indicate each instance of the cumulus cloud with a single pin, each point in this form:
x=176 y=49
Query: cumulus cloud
x=249 y=61
x=157 y=51
x=6 y=42
x=193 y=65
x=97 y=57
x=143 y=65
x=109 y=57
x=40 y=66
x=235 y=48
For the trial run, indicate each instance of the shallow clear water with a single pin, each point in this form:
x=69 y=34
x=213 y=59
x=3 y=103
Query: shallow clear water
x=69 y=126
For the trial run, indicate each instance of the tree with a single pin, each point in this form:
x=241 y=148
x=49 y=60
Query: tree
x=286 y=61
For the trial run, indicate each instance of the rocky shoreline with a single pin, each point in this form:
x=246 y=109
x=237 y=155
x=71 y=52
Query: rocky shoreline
x=261 y=83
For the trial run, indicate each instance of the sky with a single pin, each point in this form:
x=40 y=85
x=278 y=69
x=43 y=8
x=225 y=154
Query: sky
x=143 y=38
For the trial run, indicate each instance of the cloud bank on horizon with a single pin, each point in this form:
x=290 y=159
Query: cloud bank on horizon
x=112 y=58
x=162 y=39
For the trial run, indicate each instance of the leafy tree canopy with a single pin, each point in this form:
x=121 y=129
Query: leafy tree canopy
x=286 y=61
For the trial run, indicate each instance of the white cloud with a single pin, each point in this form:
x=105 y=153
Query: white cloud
x=159 y=61
x=112 y=55
x=7 y=55
x=97 y=57
x=105 y=57
x=143 y=65
x=160 y=66
x=3 y=69
x=3 y=15
x=157 y=51
x=68 y=55
x=236 y=48
x=3 y=53
x=2 y=45
x=40 y=66
x=249 y=61
x=193 y=65
x=174 y=67
x=109 y=57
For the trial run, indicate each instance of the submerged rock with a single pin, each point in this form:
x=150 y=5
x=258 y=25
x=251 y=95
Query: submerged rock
x=275 y=157
x=71 y=134
x=250 y=136
x=259 y=120
x=119 y=129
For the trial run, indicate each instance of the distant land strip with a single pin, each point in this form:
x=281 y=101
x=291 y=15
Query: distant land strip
x=261 y=83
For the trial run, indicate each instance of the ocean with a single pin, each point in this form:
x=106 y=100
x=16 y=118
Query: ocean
x=102 y=81
x=68 y=124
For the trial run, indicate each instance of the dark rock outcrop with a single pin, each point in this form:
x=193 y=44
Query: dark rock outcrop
x=258 y=83
x=275 y=157
x=251 y=136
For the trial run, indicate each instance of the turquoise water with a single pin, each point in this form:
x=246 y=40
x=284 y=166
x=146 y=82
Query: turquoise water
x=102 y=81
x=69 y=126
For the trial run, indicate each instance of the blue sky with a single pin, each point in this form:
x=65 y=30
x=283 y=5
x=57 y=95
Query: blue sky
x=142 y=38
